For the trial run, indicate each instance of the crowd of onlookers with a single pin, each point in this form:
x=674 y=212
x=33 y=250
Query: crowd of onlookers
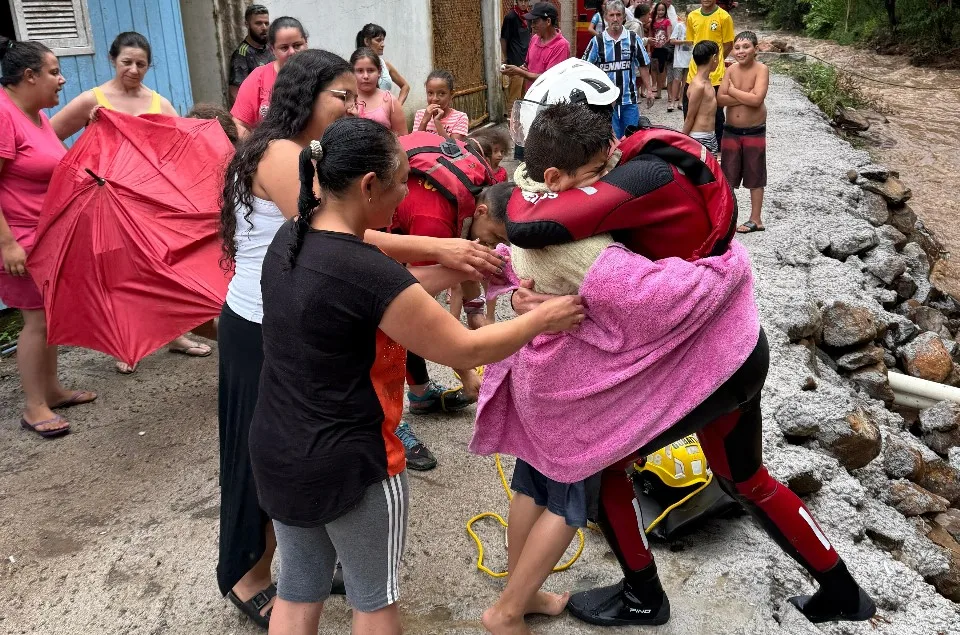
x=285 y=99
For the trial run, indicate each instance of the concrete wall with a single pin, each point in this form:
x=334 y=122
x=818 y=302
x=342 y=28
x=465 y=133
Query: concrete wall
x=207 y=67
x=333 y=26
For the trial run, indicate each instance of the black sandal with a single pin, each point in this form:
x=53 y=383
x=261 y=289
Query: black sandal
x=252 y=607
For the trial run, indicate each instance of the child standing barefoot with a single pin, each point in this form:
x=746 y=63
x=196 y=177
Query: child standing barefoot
x=567 y=147
x=744 y=148
x=438 y=117
x=701 y=113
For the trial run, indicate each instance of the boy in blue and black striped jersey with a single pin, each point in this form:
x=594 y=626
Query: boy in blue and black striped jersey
x=622 y=55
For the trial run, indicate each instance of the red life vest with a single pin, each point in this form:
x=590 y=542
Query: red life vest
x=456 y=169
x=666 y=198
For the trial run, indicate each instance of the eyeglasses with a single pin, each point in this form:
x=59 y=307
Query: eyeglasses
x=349 y=97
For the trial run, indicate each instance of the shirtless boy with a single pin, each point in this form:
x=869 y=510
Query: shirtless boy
x=744 y=148
x=701 y=122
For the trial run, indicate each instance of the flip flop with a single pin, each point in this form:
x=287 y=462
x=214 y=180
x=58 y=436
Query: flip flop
x=46 y=434
x=204 y=350
x=76 y=399
x=751 y=227
x=252 y=607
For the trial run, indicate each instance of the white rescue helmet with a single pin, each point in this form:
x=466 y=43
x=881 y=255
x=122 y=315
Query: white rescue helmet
x=573 y=80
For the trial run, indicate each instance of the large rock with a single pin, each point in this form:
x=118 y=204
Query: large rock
x=929 y=319
x=903 y=218
x=942 y=479
x=884 y=526
x=799 y=417
x=901 y=459
x=943 y=416
x=873 y=209
x=843 y=242
x=847 y=325
x=876 y=172
x=926 y=357
x=889 y=233
x=850 y=119
x=945 y=276
x=926 y=240
x=885 y=263
x=899 y=331
x=948 y=582
x=799 y=319
x=866 y=356
x=922 y=554
x=950 y=521
x=892 y=190
x=872 y=380
x=942 y=442
x=912 y=500
x=853 y=437
x=803 y=471
x=905 y=286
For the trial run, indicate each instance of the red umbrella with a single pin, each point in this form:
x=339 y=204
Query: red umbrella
x=127 y=250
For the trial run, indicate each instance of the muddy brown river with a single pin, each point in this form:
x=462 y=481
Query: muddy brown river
x=922 y=137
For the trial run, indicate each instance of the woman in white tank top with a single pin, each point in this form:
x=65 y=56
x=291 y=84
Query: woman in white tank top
x=261 y=190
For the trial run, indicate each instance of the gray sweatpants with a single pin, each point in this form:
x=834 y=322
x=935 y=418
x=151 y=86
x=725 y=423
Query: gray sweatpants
x=368 y=540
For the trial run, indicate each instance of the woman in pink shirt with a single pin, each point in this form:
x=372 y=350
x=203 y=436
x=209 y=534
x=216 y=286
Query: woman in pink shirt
x=29 y=152
x=372 y=102
x=286 y=38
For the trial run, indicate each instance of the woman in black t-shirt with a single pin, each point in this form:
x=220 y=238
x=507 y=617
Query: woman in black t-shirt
x=337 y=316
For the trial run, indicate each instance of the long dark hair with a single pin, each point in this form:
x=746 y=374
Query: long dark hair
x=369 y=31
x=339 y=164
x=17 y=57
x=298 y=84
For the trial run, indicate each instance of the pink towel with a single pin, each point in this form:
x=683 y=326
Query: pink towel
x=659 y=338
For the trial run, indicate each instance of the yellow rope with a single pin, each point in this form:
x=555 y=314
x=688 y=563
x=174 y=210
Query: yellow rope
x=680 y=502
x=503 y=523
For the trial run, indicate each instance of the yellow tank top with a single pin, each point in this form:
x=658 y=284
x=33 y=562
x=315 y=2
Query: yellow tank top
x=103 y=102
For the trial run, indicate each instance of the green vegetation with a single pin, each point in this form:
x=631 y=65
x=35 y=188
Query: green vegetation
x=11 y=322
x=924 y=29
x=828 y=87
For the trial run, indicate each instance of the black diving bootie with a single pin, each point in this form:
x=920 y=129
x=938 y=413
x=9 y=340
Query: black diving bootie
x=635 y=601
x=839 y=598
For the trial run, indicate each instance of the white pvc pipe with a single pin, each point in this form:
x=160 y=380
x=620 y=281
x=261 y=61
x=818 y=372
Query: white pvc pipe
x=920 y=393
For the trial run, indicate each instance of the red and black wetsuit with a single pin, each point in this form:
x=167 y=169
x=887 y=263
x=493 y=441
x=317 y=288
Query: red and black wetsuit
x=667 y=198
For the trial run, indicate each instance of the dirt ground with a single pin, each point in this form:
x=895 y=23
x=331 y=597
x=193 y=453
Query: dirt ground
x=113 y=529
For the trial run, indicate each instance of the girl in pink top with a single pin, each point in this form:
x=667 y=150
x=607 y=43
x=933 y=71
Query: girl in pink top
x=29 y=152
x=286 y=38
x=372 y=102
x=438 y=117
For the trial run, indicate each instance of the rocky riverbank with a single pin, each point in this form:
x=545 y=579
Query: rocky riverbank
x=842 y=276
x=113 y=529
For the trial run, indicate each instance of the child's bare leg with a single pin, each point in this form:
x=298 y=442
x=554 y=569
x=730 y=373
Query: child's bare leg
x=524 y=513
x=544 y=546
x=756 y=204
x=456 y=301
x=295 y=618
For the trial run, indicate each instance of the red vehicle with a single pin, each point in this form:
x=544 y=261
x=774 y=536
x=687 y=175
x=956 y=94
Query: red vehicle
x=585 y=12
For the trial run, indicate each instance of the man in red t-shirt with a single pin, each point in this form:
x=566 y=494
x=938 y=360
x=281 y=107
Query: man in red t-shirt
x=426 y=212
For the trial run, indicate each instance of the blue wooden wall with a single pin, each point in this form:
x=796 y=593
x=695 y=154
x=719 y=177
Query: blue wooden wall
x=160 y=22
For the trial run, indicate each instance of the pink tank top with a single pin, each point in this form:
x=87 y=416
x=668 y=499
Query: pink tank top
x=382 y=114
